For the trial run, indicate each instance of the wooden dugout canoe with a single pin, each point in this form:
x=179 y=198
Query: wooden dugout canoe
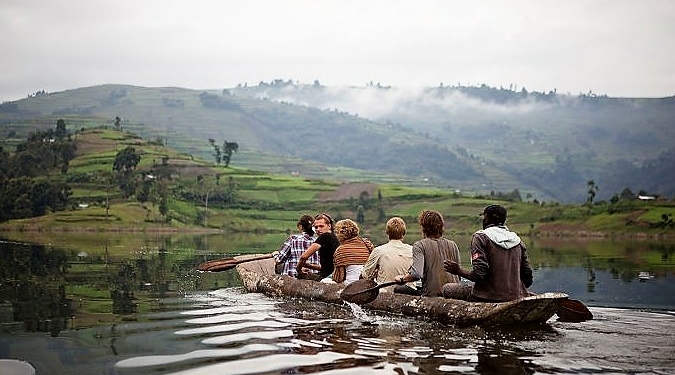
x=258 y=276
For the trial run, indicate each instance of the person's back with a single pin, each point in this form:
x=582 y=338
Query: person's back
x=500 y=267
x=295 y=245
x=435 y=251
x=390 y=259
x=324 y=245
x=429 y=255
x=503 y=282
x=352 y=253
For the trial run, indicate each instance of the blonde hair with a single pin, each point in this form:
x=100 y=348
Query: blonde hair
x=346 y=229
x=396 y=228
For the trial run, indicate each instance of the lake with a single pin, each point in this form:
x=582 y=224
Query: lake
x=133 y=304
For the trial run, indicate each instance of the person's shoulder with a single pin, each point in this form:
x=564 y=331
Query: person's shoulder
x=479 y=233
x=378 y=249
x=305 y=237
x=401 y=245
x=427 y=240
x=327 y=238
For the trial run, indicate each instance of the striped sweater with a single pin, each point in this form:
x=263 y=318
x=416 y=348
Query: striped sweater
x=354 y=251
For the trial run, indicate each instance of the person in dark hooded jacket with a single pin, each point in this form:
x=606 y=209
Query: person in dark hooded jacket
x=500 y=270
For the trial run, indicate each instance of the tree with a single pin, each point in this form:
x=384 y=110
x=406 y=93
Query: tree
x=205 y=188
x=228 y=149
x=118 y=123
x=126 y=160
x=66 y=149
x=216 y=151
x=627 y=194
x=360 y=216
x=592 y=189
x=364 y=199
x=60 y=129
x=125 y=163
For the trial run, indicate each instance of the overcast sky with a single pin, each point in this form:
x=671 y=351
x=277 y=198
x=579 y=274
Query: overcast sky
x=622 y=48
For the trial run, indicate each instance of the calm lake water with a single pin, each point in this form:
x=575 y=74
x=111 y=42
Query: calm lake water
x=118 y=310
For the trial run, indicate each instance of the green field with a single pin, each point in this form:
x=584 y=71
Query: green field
x=271 y=203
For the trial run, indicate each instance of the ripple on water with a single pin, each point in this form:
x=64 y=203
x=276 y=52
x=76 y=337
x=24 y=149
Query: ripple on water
x=251 y=333
x=232 y=327
x=233 y=317
x=247 y=336
x=271 y=363
x=193 y=356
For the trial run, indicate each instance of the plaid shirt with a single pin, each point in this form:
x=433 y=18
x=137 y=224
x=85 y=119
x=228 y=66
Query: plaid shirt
x=292 y=249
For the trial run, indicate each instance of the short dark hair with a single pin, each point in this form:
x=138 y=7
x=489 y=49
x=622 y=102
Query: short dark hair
x=495 y=214
x=305 y=222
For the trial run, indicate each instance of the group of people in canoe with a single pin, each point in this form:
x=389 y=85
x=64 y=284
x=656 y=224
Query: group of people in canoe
x=333 y=252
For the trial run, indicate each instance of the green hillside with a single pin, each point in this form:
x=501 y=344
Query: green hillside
x=203 y=197
x=478 y=140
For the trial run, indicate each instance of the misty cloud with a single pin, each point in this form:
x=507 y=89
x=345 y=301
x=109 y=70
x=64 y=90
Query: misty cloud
x=378 y=103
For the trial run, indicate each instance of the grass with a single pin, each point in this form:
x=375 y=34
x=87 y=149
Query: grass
x=268 y=202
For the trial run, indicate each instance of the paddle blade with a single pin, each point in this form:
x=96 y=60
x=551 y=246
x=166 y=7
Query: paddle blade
x=360 y=291
x=571 y=310
x=218 y=265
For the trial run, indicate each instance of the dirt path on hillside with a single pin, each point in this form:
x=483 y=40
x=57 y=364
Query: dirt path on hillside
x=349 y=190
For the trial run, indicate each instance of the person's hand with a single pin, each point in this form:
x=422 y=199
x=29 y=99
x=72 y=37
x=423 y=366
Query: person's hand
x=451 y=266
x=399 y=280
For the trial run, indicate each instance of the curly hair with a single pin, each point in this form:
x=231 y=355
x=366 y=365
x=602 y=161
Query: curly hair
x=432 y=223
x=346 y=229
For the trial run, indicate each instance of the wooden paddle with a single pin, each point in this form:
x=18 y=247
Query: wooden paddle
x=225 y=264
x=363 y=291
x=572 y=310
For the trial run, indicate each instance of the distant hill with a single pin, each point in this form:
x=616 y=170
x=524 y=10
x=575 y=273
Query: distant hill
x=485 y=140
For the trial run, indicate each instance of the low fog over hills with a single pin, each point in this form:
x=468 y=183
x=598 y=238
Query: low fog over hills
x=485 y=140
x=552 y=142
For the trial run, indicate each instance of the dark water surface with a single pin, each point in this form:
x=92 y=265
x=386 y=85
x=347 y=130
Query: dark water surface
x=152 y=314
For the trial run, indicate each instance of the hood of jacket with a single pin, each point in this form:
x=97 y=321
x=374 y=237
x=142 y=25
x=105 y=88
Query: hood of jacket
x=502 y=236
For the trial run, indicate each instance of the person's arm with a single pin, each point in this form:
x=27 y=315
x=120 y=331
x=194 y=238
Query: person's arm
x=525 y=269
x=370 y=268
x=478 y=262
x=302 y=262
x=415 y=272
x=402 y=279
x=284 y=251
x=454 y=268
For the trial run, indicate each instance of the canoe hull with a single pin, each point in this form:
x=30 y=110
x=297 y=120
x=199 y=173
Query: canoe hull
x=258 y=276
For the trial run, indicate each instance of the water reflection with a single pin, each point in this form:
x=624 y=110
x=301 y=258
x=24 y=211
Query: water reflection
x=327 y=340
x=48 y=289
x=144 y=309
x=34 y=288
